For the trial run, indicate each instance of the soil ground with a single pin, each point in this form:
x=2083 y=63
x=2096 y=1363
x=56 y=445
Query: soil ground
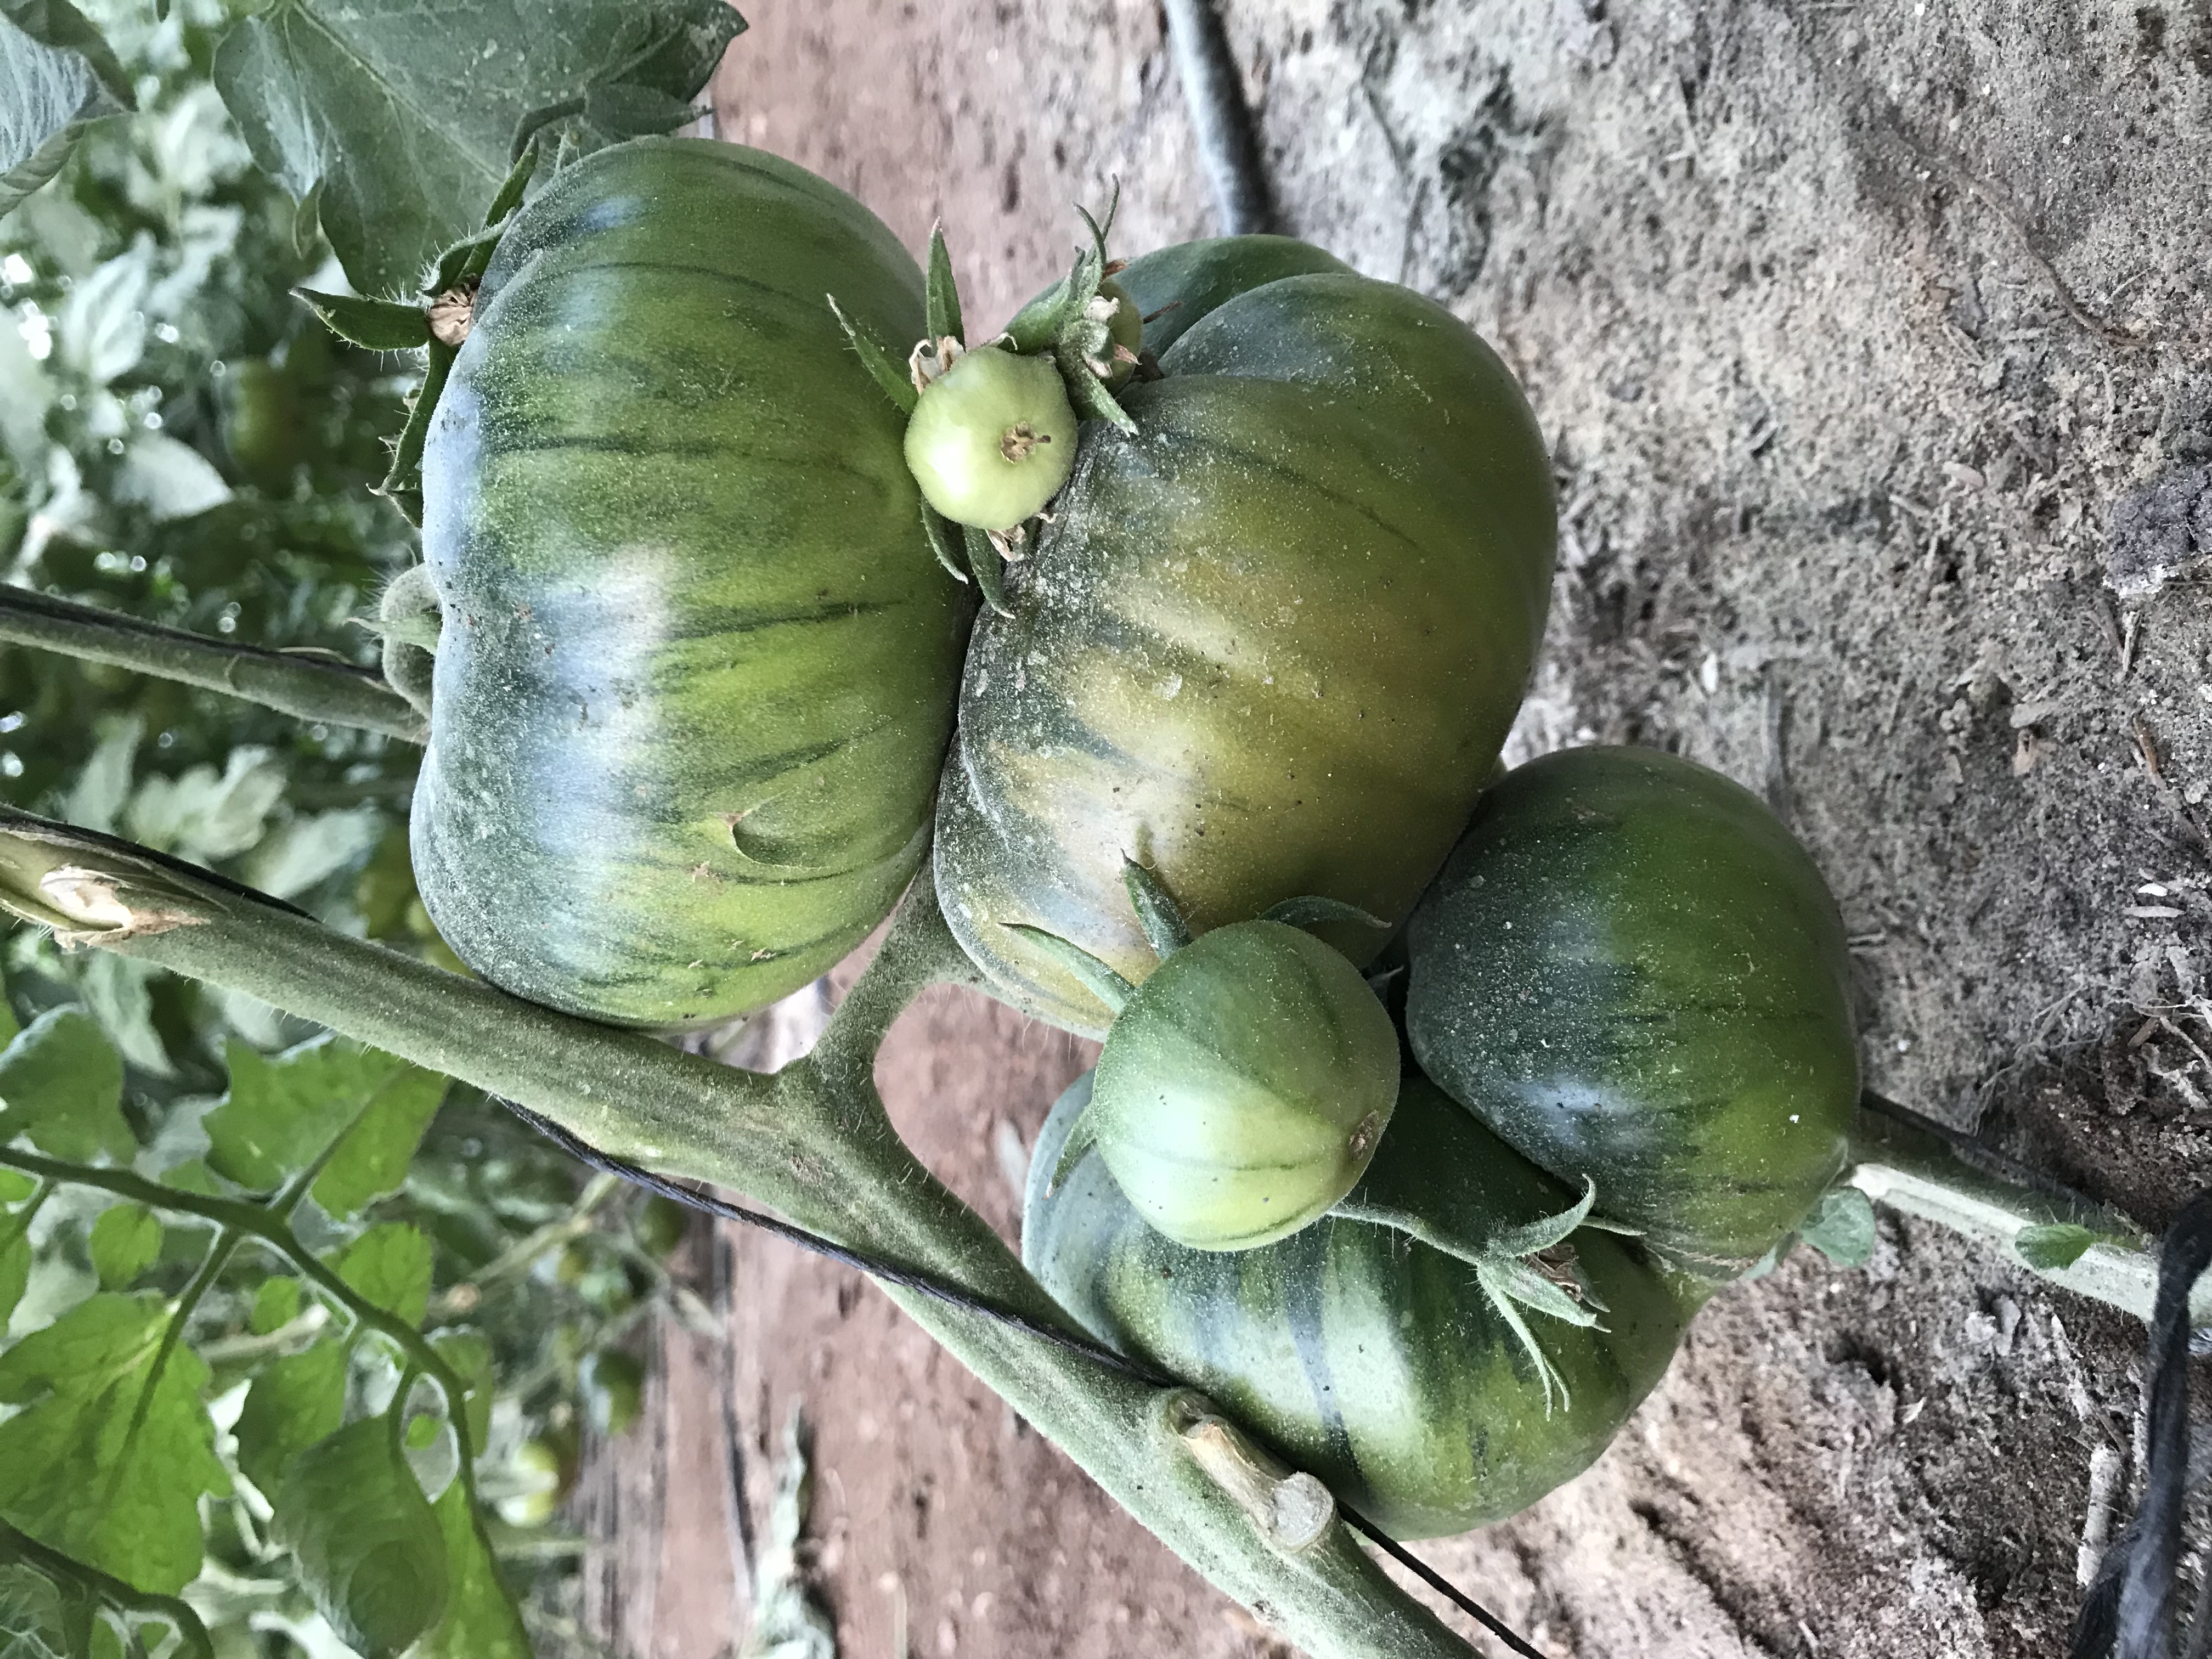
x=1875 y=345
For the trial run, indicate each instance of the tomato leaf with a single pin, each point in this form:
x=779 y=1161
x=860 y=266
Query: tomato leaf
x=1312 y=909
x=390 y=1265
x=294 y=1402
x=275 y=1304
x=59 y=74
x=61 y=1085
x=1841 y=1227
x=108 y=1458
x=126 y=1239
x=16 y=1186
x=403 y=113
x=14 y=1275
x=280 y=1114
x=2047 y=1248
x=939 y=533
x=372 y=1155
x=481 y=1621
x=370 y=1550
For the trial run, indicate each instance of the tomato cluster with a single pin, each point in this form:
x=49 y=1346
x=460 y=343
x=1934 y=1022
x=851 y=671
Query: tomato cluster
x=1432 y=1102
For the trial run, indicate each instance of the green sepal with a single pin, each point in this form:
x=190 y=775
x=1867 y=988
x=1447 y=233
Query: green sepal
x=307 y=222
x=881 y=367
x=942 y=303
x=527 y=129
x=1082 y=1136
x=1037 y=324
x=1544 y=1232
x=990 y=568
x=510 y=192
x=940 y=542
x=1109 y=987
x=464 y=262
x=1090 y=396
x=403 y=484
x=1501 y=1298
x=372 y=325
x=622 y=111
x=1311 y=910
x=1158 y=912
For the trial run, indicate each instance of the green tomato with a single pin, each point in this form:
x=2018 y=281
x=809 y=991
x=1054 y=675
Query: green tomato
x=992 y=438
x=614 y=1390
x=697 y=663
x=1271 y=645
x=1244 y=1088
x=1373 y=1361
x=1631 y=971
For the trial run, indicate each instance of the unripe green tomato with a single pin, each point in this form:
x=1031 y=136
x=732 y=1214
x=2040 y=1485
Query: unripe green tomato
x=614 y=1390
x=1243 y=1086
x=1124 y=328
x=992 y=438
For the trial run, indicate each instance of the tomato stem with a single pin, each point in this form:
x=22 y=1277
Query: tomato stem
x=813 y=1142
x=1907 y=1163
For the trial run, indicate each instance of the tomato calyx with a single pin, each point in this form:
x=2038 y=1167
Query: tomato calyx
x=1531 y=1265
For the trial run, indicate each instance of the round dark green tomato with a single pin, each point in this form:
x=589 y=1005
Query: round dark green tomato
x=1178 y=286
x=1244 y=1088
x=1374 y=1362
x=696 y=669
x=992 y=438
x=1270 y=646
x=1633 y=973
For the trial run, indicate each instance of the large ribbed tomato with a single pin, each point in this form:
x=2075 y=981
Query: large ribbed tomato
x=1270 y=643
x=697 y=664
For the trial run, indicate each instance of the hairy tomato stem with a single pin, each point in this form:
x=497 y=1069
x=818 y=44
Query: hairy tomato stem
x=814 y=1141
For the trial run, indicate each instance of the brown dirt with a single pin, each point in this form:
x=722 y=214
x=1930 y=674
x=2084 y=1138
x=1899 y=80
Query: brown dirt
x=1869 y=335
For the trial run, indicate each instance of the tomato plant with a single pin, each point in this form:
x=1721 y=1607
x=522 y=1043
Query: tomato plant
x=688 y=635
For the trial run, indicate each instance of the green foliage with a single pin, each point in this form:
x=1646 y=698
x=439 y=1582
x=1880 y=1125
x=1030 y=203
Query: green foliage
x=183 y=441
x=108 y=1458
x=280 y=1115
x=389 y=1266
x=368 y=1543
x=125 y=1240
x=298 y=1400
x=1841 y=1227
x=60 y=73
x=61 y=1088
x=480 y=1621
x=420 y=105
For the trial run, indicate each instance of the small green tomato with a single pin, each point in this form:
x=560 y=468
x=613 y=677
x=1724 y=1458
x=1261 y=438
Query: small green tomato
x=992 y=438
x=1243 y=1086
